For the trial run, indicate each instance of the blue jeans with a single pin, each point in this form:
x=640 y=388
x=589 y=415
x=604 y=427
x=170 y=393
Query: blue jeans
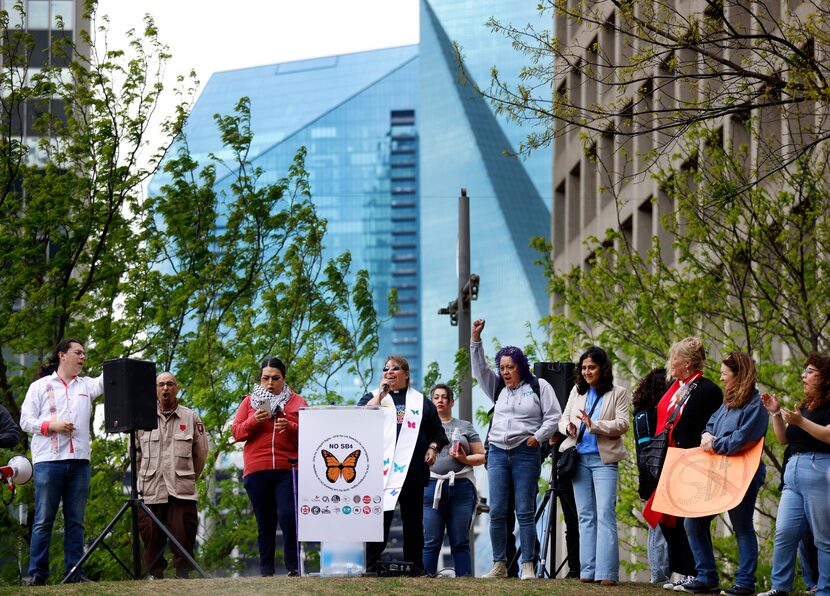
x=803 y=506
x=700 y=538
x=658 y=555
x=514 y=471
x=808 y=556
x=595 y=490
x=272 y=498
x=455 y=511
x=55 y=481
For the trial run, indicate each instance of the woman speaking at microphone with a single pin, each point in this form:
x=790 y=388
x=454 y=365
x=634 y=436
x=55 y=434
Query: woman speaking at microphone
x=412 y=437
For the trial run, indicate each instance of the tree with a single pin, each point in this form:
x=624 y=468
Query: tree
x=714 y=114
x=202 y=281
x=232 y=278
x=657 y=69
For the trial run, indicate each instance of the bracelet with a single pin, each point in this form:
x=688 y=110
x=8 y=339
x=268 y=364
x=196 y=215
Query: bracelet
x=434 y=448
x=778 y=413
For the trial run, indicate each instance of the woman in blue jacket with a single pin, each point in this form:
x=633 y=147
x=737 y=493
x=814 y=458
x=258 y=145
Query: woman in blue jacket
x=737 y=425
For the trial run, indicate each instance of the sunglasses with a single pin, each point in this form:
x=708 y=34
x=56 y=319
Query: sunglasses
x=392 y=368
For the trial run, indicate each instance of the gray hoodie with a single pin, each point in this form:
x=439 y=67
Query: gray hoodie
x=519 y=412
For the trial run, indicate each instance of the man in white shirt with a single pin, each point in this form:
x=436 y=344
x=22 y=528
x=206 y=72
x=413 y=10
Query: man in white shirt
x=57 y=411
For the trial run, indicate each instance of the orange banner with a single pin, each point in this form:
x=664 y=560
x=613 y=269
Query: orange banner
x=695 y=483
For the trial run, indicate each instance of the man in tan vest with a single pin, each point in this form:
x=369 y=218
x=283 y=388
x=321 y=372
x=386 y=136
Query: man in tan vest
x=170 y=460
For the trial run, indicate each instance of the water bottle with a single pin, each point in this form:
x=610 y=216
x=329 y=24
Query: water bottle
x=455 y=440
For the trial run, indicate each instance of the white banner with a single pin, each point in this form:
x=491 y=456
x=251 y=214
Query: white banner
x=340 y=488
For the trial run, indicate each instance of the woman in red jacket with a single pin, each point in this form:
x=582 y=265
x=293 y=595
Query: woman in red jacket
x=267 y=420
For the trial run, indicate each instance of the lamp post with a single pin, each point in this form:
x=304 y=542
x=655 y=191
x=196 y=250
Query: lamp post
x=459 y=312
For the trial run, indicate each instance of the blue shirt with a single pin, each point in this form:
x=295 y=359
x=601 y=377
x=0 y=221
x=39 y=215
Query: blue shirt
x=588 y=444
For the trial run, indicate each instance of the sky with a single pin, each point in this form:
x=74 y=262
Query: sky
x=211 y=36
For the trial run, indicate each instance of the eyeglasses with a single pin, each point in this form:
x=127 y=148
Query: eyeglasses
x=78 y=352
x=266 y=378
x=809 y=371
x=164 y=384
x=392 y=368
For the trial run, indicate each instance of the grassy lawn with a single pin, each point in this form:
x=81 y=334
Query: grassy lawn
x=315 y=585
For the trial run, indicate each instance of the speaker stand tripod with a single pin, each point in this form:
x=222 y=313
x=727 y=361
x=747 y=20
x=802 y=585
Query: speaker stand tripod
x=134 y=503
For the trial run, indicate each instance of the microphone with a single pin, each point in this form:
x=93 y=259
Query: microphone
x=384 y=388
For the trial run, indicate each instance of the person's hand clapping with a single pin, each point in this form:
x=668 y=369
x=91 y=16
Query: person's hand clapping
x=793 y=417
x=771 y=402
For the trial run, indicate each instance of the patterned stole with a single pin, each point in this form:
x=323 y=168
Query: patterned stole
x=397 y=455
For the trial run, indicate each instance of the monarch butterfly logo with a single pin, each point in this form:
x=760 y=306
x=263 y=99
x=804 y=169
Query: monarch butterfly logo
x=334 y=468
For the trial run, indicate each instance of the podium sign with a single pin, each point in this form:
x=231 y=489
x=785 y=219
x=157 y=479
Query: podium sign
x=340 y=486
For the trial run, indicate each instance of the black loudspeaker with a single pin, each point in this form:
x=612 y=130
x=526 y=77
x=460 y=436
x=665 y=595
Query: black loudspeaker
x=560 y=375
x=129 y=395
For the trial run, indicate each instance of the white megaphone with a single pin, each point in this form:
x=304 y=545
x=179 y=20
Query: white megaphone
x=17 y=471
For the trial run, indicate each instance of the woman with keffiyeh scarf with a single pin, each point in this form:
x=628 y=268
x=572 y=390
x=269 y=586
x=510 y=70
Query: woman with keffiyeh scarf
x=267 y=420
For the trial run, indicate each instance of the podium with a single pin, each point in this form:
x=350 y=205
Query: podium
x=340 y=482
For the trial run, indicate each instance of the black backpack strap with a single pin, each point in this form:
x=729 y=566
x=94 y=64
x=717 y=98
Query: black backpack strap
x=497 y=391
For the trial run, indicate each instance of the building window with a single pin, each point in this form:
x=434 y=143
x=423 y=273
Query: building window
x=402 y=117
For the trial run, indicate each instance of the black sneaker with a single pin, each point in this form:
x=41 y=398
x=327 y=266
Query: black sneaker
x=695 y=586
x=737 y=590
x=35 y=580
x=775 y=592
x=79 y=578
x=672 y=585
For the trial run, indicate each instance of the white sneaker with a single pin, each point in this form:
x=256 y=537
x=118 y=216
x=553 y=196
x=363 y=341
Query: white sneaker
x=499 y=570
x=528 y=570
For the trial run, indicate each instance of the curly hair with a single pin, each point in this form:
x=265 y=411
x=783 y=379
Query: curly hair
x=606 y=377
x=742 y=389
x=688 y=348
x=651 y=388
x=822 y=363
x=519 y=359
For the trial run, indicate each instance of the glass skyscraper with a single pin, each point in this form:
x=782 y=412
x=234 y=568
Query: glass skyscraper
x=357 y=116
x=392 y=137
x=463 y=144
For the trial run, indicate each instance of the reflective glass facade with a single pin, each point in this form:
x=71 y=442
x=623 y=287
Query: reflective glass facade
x=463 y=145
x=391 y=139
x=357 y=116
